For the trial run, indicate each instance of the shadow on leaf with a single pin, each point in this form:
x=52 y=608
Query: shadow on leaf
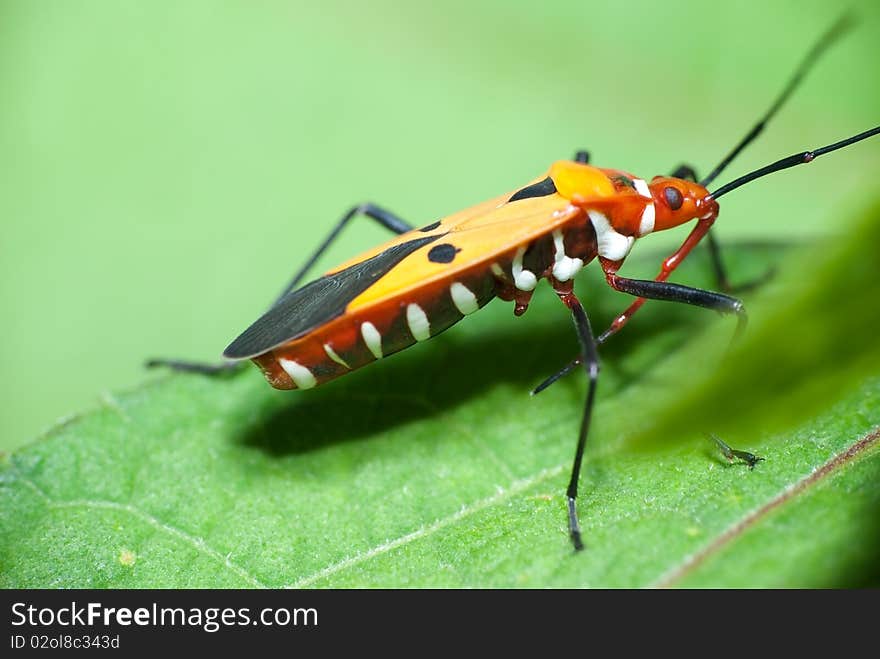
x=451 y=370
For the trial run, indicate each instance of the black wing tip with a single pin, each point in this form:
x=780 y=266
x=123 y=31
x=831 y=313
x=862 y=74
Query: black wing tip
x=239 y=349
x=317 y=303
x=254 y=341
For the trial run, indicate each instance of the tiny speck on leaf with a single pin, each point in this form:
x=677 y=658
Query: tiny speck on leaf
x=127 y=557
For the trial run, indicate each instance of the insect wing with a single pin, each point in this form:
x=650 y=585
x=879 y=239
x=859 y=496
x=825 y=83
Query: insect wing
x=318 y=302
x=459 y=242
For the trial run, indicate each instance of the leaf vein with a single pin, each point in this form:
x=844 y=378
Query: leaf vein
x=740 y=526
x=465 y=511
x=197 y=543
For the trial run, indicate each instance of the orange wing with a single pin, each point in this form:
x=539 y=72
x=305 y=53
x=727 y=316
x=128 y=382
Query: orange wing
x=479 y=235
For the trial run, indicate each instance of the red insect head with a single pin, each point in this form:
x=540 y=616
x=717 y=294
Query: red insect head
x=677 y=201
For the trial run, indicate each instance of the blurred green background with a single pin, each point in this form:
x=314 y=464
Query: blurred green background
x=166 y=165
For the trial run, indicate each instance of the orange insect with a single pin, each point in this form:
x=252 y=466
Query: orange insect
x=427 y=279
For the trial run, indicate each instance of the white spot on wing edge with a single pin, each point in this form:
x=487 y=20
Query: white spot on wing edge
x=463 y=298
x=372 y=339
x=331 y=353
x=524 y=280
x=301 y=376
x=417 y=321
x=565 y=266
x=611 y=245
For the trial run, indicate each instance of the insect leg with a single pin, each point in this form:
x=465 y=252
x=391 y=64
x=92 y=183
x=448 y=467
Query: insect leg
x=658 y=290
x=220 y=368
x=670 y=263
x=685 y=172
x=582 y=157
x=386 y=218
x=590 y=359
x=561 y=373
x=670 y=292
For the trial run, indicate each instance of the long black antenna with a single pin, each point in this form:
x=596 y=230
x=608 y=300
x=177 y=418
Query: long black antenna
x=797 y=159
x=833 y=34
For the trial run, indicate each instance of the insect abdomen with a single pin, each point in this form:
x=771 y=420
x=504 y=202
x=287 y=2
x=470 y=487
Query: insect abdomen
x=356 y=339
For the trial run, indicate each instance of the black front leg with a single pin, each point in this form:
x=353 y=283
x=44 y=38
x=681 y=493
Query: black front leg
x=670 y=292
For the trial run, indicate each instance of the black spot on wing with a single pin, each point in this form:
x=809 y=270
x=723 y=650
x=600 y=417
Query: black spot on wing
x=444 y=253
x=539 y=189
x=317 y=303
x=430 y=227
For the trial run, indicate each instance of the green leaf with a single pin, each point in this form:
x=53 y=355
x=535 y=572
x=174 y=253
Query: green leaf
x=435 y=468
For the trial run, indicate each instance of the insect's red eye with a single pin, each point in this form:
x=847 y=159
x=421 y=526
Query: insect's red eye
x=673 y=198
